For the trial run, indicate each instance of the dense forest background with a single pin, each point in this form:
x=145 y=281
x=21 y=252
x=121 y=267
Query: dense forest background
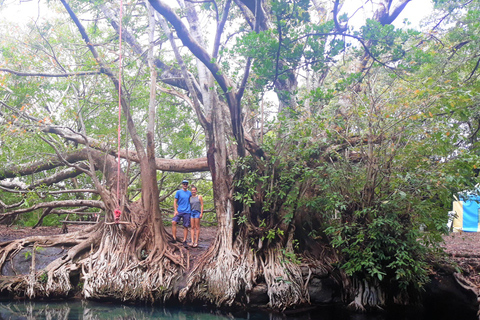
x=315 y=141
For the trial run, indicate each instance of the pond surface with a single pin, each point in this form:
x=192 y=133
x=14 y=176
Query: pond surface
x=87 y=310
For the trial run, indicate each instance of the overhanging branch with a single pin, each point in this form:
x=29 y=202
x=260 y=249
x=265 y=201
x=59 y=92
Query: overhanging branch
x=50 y=75
x=56 y=204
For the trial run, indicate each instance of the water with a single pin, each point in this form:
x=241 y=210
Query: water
x=87 y=310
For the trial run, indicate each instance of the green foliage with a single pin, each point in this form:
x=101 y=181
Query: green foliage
x=291 y=256
x=28 y=254
x=381 y=244
x=43 y=278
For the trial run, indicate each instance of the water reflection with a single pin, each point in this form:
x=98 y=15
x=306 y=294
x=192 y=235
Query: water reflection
x=87 y=310
x=82 y=310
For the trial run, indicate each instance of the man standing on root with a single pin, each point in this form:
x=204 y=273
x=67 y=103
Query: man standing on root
x=181 y=209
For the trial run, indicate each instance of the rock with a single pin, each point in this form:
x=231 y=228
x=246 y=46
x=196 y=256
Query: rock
x=22 y=262
x=324 y=291
x=448 y=299
x=258 y=295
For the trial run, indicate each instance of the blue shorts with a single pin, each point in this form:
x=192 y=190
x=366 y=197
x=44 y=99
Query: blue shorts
x=195 y=214
x=185 y=216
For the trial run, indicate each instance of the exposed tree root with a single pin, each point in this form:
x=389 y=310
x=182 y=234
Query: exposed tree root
x=367 y=295
x=227 y=274
x=286 y=287
x=108 y=267
x=9 y=249
x=35 y=284
x=113 y=272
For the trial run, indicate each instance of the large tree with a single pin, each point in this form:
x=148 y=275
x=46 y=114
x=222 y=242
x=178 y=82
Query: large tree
x=203 y=70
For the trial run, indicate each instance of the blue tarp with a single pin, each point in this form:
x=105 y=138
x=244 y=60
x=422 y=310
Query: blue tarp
x=467 y=211
x=470 y=216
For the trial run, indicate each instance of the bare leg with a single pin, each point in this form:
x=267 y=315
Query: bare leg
x=197 y=229
x=194 y=228
x=192 y=232
x=174 y=230
x=185 y=234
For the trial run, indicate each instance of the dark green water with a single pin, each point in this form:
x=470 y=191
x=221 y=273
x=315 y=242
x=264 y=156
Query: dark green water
x=82 y=310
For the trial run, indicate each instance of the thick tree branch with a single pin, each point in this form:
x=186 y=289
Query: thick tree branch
x=38 y=166
x=78 y=211
x=91 y=173
x=74 y=191
x=338 y=26
x=49 y=211
x=175 y=165
x=392 y=16
x=18 y=186
x=188 y=165
x=56 y=204
x=247 y=14
x=257 y=12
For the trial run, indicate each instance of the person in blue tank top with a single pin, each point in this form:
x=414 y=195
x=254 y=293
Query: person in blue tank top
x=181 y=210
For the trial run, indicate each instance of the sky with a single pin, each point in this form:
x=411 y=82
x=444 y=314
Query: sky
x=25 y=10
x=416 y=11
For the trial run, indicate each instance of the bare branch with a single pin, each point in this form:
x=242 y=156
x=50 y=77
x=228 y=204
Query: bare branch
x=11 y=185
x=243 y=84
x=206 y=59
x=78 y=211
x=220 y=27
x=189 y=165
x=58 y=176
x=11 y=206
x=474 y=70
x=196 y=106
x=45 y=213
x=50 y=75
x=168 y=74
x=74 y=191
x=56 y=204
x=126 y=109
x=191 y=43
x=338 y=26
x=38 y=166
x=73 y=165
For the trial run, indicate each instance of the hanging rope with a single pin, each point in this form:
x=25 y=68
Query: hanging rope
x=117 y=211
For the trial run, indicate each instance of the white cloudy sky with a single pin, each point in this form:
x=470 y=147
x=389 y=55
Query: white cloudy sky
x=24 y=10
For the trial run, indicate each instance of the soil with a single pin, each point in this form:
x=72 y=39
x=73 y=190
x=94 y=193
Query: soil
x=207 y=235
x=463 y=248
